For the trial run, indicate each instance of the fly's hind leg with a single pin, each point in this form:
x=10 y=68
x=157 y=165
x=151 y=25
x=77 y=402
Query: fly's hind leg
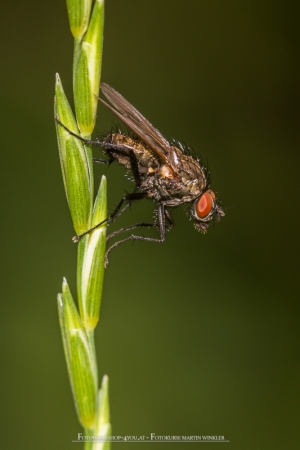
x=129 y=198
x=135 y=168
x=95 y=143
x=103 y=144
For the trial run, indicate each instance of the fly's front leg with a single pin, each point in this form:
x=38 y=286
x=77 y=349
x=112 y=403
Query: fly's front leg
x=162 y=231
x=131 y=227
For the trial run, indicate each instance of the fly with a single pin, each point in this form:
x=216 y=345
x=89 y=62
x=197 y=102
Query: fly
x=163 y=171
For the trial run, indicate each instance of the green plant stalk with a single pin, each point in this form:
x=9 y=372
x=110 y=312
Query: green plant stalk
x=78 y=324
x=87 y=71
x=90 y=272
x=79 y=357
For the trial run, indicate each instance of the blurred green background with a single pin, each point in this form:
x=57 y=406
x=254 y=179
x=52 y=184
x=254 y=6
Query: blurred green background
x=199 y=336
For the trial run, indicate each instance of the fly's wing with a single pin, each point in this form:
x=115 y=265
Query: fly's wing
x=136 y=122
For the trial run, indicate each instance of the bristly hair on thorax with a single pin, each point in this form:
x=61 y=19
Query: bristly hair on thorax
x=190 y=151
x=120 y=128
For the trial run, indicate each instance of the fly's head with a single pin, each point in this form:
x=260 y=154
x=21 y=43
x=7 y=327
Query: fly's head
x=206 y=209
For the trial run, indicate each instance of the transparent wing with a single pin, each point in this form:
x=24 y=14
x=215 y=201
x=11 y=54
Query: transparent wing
x=136 y=122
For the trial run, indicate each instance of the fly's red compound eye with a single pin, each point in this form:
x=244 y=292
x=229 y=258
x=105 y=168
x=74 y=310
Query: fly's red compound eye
x=204 y=204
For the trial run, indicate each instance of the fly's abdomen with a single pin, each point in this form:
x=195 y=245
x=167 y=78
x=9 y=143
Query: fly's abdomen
x=144 y=158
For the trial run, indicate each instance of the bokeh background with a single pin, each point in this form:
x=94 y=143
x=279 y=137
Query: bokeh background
x=199 y=336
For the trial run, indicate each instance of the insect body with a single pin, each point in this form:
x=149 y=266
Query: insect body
x=163 y=171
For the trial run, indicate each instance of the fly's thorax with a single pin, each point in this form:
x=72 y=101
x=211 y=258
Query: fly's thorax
x=174 y=157
x=188 y=170
x=192 y=170
x=169 y=189
x=166 y=171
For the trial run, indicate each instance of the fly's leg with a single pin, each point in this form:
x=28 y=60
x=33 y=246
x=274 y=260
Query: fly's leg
x=123 y=149
x=117 y=212
x=135 y=168
x=169 y=219
x=103 y=161
x=85 y=141
x=132 y=237
x=103 y=144
x=142 y=224
x=131 y=227
x=110 y=148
